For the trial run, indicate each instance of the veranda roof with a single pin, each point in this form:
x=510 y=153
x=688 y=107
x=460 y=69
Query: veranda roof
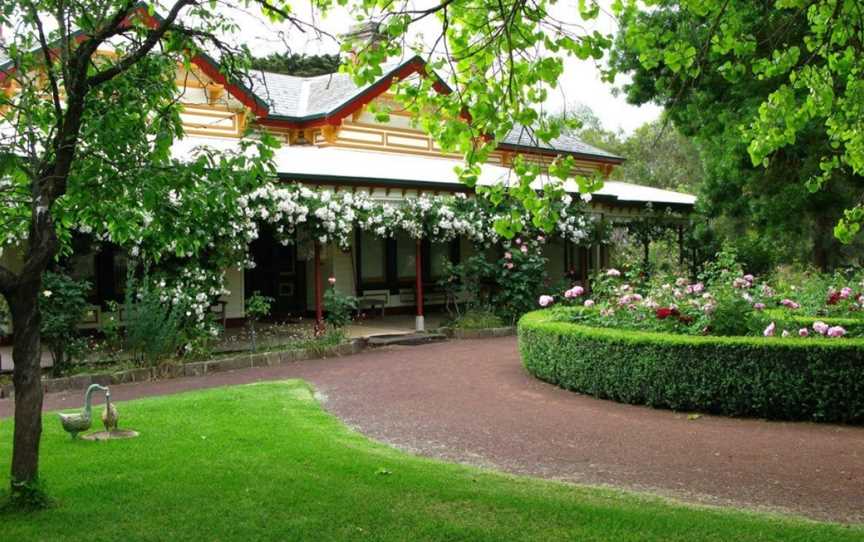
x=361 y=167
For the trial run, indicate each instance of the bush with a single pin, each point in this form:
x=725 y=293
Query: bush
x=790 y=378
x=477 y=319
x=257 y=307
x=150 y=329
x=338 y=306
x=62 y=304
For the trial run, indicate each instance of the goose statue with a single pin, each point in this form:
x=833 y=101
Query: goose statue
x=80 y=422
x=109 y=415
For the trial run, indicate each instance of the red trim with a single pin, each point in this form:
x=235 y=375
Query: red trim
x=319 y=309
x=419 y=277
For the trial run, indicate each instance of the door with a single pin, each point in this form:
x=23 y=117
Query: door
x=277 y=274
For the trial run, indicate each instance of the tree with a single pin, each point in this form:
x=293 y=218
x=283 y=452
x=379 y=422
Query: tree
x=500 y=59
x=296 y=64
x=657 y=153
x=775 y=86
x=86 y=146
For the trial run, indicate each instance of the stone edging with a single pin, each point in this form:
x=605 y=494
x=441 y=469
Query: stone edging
x=197 y=368
x=457 y=333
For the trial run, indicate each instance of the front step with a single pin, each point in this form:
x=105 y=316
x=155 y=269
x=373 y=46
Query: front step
x=409 y=339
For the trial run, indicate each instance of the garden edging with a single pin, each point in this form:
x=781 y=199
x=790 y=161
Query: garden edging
x=196 y=368
x=483 y=333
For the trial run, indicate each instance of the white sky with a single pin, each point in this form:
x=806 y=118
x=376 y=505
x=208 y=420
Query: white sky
x=580 y=83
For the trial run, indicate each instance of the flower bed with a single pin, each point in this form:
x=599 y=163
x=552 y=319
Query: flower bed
x=792 y=379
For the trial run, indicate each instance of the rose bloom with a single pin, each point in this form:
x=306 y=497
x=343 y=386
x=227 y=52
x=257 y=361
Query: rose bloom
x=508 y=265
x=820 y=327
x=332 y=280
x=803 y=332
x=759 y=306
x=740 y=283
x=524 y=249
x=508 y=255
x=589 y=303
x=663 y=312
x=575 y=291
x=790 y=304
x=845 y=292
x=836 y=331
x=749 y=278
x=546 y=300
x=769 y=331
x=613 y=273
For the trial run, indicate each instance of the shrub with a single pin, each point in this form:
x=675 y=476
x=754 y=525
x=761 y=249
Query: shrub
x=339 y=306
x=478 y=319
x=149 y=330
x=791 y=378
x=62 y=304
x=257 y=307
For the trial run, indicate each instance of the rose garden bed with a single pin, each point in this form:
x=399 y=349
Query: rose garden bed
x=790 y=379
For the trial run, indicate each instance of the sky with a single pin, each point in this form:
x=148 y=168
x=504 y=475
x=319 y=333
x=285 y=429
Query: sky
x=580 y=84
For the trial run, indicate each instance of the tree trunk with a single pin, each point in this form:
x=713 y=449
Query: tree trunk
x=27 y=354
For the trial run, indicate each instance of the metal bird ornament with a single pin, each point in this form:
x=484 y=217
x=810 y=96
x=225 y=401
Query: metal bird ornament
x=81 y=421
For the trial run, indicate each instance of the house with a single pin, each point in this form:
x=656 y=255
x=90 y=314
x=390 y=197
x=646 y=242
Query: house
x=331 y=141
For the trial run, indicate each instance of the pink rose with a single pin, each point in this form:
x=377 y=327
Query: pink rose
x=332 y=281
x=769 y=331
x=546 y=300
x=749 y=278
x=845 y=292
x=508 y=256
x=803 y=332
x=518 y=240
x=820 y=327
x=759 y=306
x=613 y=273
x=589 y=303
x=508 y=265
x=524 y=249
x=836 y=331
x=575 y=291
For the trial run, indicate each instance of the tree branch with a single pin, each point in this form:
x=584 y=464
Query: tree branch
x=152 y=39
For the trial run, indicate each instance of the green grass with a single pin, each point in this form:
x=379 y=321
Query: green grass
x=265 y=462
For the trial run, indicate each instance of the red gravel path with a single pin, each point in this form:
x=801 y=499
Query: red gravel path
x=470 y=401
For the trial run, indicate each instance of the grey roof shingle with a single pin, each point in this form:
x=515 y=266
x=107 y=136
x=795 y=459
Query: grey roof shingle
x=304 y=97
x=519 y=136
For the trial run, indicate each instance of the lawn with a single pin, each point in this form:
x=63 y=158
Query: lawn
x=265 y=462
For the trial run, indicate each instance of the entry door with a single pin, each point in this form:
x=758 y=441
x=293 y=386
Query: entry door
x=277 y=274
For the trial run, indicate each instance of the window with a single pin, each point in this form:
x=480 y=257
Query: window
x=439 y=254
x=406 y=256
x=373 y=258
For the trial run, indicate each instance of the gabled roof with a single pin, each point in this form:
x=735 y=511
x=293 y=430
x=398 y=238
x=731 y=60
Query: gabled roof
x=306 y=102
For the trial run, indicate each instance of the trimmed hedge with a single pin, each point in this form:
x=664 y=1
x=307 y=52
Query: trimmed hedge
x=851 y=324
x=777 y=378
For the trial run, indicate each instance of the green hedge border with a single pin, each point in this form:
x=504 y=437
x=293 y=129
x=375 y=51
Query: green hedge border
x=851 y=324
x=777 y=378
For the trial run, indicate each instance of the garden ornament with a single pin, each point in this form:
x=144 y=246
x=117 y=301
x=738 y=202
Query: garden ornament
x=79 y=422
x=109 y=415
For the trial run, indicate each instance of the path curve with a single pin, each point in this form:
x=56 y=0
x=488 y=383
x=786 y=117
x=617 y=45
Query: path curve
x=470 y=401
